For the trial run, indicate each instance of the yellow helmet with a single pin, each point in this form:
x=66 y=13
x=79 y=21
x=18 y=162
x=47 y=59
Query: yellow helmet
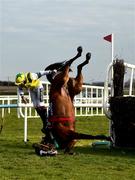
x=20 y=78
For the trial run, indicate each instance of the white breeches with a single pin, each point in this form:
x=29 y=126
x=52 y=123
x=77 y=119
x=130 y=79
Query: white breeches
x=37 y=96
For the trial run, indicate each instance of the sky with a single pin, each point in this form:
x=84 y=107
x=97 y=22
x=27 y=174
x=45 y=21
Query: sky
x=37 y=33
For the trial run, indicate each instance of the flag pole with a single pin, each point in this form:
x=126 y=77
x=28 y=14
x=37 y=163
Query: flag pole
x=110 y=38
x=111 y=131
x=112 y=59
x=112 y=47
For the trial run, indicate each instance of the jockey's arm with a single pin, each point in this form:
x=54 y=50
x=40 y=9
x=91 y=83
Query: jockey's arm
x=21 y=93
x=35 y=76
x=47 y=72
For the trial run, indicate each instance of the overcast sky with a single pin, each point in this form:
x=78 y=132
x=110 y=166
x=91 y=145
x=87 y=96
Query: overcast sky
x=36 y=33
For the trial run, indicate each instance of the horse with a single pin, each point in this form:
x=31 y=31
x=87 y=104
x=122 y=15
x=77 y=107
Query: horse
x=61 y=114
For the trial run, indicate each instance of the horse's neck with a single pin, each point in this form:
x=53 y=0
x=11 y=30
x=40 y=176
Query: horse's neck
x=75 y=86
x=64 y=88
x=58 y=91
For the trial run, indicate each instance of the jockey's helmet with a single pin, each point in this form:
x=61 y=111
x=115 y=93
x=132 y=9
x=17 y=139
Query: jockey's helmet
x=20 y=78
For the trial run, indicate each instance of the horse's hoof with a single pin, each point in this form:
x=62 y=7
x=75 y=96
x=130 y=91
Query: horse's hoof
x=79 y=49
x=88 y=56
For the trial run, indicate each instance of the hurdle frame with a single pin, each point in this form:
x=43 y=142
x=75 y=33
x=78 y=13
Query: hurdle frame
x=109 y=93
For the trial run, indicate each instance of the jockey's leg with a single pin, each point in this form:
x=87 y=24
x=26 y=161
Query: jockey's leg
x=38 y=101
x=42 y=112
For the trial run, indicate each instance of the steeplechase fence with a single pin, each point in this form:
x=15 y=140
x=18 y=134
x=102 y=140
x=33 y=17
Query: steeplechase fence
x=119 y=105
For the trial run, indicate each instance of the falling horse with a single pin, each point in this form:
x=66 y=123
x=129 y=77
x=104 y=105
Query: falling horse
x=61 y=114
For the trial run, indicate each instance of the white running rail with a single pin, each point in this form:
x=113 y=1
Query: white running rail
x=88 y=103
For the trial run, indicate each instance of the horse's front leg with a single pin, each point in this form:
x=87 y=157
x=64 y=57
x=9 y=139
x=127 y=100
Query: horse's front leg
x=69 y=148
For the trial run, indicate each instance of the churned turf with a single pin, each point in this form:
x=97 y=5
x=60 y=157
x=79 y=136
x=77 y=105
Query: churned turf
x=18 y=160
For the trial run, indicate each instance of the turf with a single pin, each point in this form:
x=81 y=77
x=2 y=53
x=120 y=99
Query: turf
x=18 y=160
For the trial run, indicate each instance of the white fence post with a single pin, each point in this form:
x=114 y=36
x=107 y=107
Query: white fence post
x=25 y=125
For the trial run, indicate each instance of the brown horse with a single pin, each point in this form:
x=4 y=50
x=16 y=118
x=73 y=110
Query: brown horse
x=61 y=114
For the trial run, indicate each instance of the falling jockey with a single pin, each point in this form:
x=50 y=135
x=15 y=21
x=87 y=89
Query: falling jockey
x=31 y=82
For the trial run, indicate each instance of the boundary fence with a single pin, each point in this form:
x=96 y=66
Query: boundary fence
x=93 y=100
x=88 y=103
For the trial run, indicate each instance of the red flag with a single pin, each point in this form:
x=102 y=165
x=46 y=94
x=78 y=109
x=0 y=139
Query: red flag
x=108 y=38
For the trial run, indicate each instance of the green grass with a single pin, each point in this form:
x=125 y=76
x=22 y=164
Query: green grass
x=18 y=160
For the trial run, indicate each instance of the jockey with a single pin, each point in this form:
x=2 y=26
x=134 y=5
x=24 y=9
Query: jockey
x=31 y=82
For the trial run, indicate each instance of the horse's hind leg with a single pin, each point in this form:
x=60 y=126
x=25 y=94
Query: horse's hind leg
x=79 y=50
x=79 y=67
